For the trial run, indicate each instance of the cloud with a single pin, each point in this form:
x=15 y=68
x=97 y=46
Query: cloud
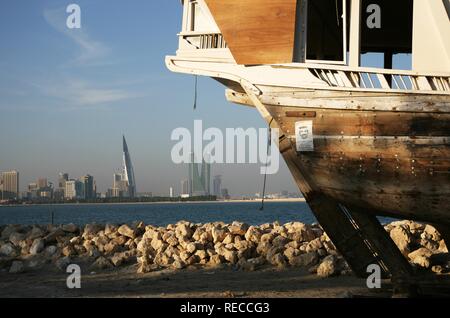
x=79 y=93
x=91 y=51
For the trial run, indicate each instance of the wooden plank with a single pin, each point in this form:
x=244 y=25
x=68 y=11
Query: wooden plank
x=257 y=31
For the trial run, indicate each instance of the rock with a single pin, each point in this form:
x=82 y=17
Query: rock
x=437 y=269
x=111 y=248
x=278 y=260
x=90 y=231
x=421 y=257
x=253 y=234
x=432 y=233
x=63 y=262
x=304 y=260
x=442 y=247
x=111 y=230
x=238 y=228
x=35 y=233
x=280 y=241
x=101 y=263
x=158 y=244
x=17 y=267
x=229 y=238
x=401 y=238
x=7 y=250
x=127 y=231
x=54 y=235
x=16 y=238
x=230 y=256
x=420 y=252
x=291 y=252
x=263 y=248
x=178 y=264
x=37 y=246
x=70 y=228
x=50 y=250
x=123 y=258
x=328 y=267
x=183 y=230
x=218 y=235
x=8 y=230
x=191 y=248
x=215 y=260
x=68 y=250
x=314 y=245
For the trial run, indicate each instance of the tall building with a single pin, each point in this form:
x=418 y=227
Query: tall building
x=62 y=178
x=199 y=182
x=184 y=191
x=120 y=186
x=88 y=191
x=128 y=171
x=171 y=192
x=10 y=185
x=74 y=190
x=217 y=186
x=42 y=183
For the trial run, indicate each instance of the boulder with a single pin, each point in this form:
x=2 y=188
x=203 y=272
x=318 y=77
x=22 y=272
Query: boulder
x=328 y=267
x=119 y=259
x=432 y=233
x=70 y=228
x=35 y=233
x=253 y=234
x=63 y=262
x=17 y=267
x=127 y=231
x=278 y=260
x=304 y=260
x=230 y=256
x=280 y=241
x=15 y=238
x=8 y=230
x=50 y=250
x=91 y=230
x=101 y=263
x=215 y=260
x=7 y=250
x=183 y=230
x=54 y=235
x=37 y=246
x=218 y=234
x=111 y=230
x=402 y=238
x=111 y=248
x=238 y=228
x=68 y=250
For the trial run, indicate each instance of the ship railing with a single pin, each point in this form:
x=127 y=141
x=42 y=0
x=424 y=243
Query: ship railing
x=204 y=41
x=381 y=79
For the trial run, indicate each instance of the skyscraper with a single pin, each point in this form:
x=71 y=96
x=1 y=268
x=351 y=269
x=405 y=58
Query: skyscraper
x=128 y=171
x=217 y=186
x=42 y=183
x=199 y=182
x=184 y=187
x=10 y=185
x=88 y=187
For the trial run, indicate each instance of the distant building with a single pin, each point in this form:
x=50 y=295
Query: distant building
x=199 y=182
x=88 y=187
x=171 y=192
x=10 y=185
x=74 y=190
x=217 y=186
x=128 y=171
x=225 y=194
x=120 y=186
x=184 y=187
x=42 y=183
x=62 y=178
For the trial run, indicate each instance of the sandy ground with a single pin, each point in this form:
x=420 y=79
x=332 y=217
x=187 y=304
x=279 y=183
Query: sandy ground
x=190 y=283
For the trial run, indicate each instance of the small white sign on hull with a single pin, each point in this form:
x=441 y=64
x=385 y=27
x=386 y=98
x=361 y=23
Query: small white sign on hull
x=304 y=136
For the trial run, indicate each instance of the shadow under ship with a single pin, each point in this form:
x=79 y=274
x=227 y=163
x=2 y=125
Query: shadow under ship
x=360 y=142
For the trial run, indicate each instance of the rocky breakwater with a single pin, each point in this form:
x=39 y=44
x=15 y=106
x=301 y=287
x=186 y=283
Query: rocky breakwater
x=182 y=245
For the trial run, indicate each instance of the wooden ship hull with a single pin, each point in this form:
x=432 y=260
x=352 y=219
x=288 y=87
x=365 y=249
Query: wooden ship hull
x=380 y=140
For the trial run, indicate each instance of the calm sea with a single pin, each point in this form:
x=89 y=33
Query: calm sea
x=159 y=214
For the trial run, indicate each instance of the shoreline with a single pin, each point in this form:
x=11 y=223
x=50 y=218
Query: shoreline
x=293 y=200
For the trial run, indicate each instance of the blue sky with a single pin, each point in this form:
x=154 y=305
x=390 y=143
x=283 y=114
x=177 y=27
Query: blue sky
x=66 y=96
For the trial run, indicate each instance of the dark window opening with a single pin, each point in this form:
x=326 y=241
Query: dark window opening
x=325 y=25
x=387 y=29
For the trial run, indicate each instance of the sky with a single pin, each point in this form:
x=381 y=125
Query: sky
x=67 y=96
